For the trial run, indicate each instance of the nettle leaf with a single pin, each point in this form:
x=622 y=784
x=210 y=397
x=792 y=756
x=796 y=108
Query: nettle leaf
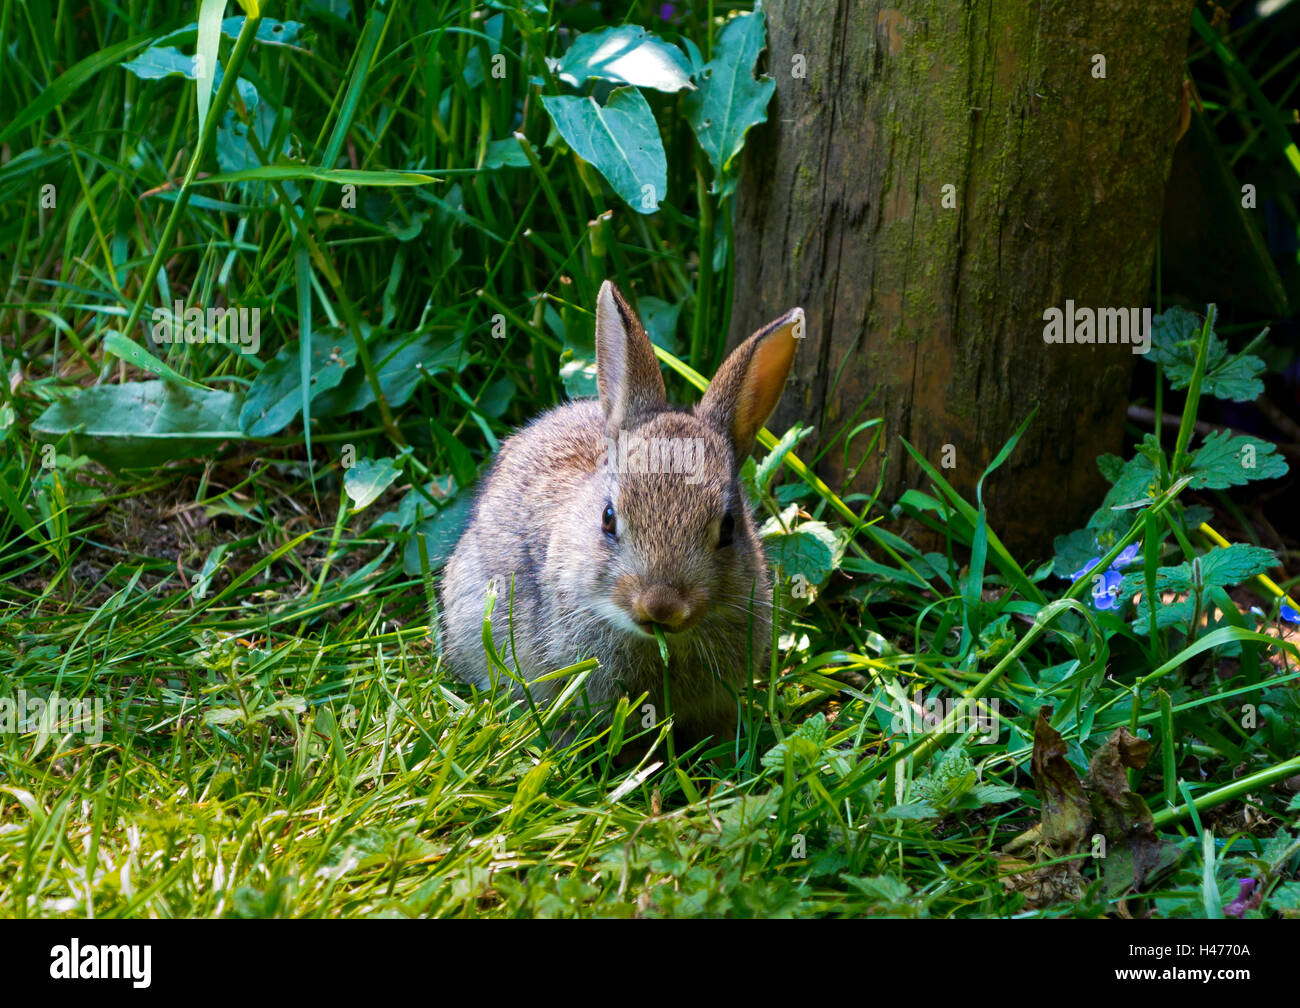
x=1224 y=461
x=1137 y=480
x=275 y=397
x=1175 y=336
x=805 y=745
x=730 y=99
x=1073 y=551
x=805 y=555
x=620 y=140
x=366 y=480
x=1221 y=567
x=627 y=54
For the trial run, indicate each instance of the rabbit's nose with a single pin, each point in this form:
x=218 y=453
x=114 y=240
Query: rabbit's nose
x=662 y=604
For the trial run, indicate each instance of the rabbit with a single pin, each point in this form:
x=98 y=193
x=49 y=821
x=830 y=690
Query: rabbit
x=597 y=550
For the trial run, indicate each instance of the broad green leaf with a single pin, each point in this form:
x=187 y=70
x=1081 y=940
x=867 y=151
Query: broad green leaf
x=1224 y=461
x=269 y=32
x=161 y=61
x=235 y=151
x=620 y=140
x=627 y=54
x=366 y=480
x=401 y=362
x=730 y=98
x=505 y=154
x=142 y=424
x=275 y=396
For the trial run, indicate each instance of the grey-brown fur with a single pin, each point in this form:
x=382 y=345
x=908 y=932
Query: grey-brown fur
x=577 y=593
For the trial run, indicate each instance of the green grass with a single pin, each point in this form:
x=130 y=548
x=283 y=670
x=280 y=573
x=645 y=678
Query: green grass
x=279 y=736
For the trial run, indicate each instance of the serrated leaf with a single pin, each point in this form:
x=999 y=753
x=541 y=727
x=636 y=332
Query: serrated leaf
x=620 y=140
x=1224 y=461
x=1175 y=336
x=1073 y=551
x=627 y=54
x=807 y=551
x=1222 y=567
x=275 y=397
x=143 y=424
x=805 y=746
x=366 y=480
x=730 y=99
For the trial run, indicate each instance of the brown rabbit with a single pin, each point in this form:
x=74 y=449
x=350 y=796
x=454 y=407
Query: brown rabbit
x=613 y=515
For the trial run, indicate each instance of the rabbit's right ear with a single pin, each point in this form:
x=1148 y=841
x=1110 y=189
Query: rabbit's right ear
x=749 y=383
x=627 y=373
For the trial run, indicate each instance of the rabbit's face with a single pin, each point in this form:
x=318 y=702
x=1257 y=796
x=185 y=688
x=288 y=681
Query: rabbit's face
x=675 y=528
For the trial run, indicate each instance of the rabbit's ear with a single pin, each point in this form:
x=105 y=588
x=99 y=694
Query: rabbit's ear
x=627 y=373
x=748 y=386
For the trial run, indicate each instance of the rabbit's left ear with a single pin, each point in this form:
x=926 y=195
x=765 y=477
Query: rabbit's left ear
x=627 y=373
x=748 y=386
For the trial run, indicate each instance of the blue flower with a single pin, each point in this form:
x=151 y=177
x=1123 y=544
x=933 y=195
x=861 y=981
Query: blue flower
x=1129 y=554
x=1105 y=592
x=1289 y=614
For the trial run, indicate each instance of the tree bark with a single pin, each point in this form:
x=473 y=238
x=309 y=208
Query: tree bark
x=1057 y=175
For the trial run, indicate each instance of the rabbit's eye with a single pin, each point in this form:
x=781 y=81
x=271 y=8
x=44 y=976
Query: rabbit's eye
x=726 y=530
x=608 y=521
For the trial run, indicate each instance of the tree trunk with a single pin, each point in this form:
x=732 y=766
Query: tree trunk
x=1047 y=130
